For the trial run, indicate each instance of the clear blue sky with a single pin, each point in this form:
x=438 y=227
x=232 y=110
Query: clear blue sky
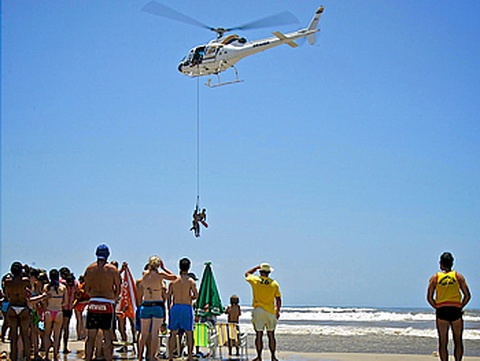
x=350 y=166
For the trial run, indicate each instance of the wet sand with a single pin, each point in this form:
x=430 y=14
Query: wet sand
x=289 y=356
x=77 y=353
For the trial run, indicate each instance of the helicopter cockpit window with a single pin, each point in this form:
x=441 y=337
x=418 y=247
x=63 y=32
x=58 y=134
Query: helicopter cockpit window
x=189 y=57
x=198 y=55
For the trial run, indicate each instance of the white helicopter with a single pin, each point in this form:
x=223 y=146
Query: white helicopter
x=225 y=51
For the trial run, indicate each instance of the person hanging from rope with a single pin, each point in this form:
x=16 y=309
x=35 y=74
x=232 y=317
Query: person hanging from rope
x=203 y=218
x=198 y=217
x=195 y=223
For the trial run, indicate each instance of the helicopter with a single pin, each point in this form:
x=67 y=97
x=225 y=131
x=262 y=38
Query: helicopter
x=226 y=50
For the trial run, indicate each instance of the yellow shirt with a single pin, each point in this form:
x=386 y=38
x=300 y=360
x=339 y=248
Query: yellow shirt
x=448 y=290
x=264 y=290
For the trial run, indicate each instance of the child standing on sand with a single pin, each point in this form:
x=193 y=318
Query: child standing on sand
x=233 y=311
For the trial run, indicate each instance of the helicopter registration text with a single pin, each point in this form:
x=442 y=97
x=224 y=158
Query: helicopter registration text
x=261 y=44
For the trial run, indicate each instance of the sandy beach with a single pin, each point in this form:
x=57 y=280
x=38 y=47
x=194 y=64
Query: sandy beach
x=290 y=356
x=77 y=354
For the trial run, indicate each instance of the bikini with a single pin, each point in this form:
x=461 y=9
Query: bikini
x=54 y=313
x=152 y=309
x=18 y=309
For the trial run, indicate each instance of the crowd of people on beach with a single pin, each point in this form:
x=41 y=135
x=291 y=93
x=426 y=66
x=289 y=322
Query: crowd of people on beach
x=38 y=305
x=37 y=308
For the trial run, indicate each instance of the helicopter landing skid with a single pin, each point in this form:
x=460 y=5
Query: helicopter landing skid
x=210 y=85
x=220 y=83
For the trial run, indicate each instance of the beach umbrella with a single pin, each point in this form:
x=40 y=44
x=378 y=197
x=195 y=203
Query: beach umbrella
x=208 y=302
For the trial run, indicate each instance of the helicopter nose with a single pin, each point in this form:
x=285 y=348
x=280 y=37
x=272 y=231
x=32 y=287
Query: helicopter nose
x=180 y=66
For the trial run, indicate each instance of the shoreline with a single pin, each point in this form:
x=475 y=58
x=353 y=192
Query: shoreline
x=77 y=353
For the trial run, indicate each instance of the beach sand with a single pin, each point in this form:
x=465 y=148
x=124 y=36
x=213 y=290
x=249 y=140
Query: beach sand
x=77 y=353
x=290 y=356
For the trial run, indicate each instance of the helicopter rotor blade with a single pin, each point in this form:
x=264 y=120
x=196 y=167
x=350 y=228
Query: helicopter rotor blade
x=282 y=18
x=158 y=9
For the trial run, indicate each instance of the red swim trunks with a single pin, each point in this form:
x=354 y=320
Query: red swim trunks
x=100 y=315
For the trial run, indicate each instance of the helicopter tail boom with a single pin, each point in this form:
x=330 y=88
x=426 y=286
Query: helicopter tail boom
x=282 y=37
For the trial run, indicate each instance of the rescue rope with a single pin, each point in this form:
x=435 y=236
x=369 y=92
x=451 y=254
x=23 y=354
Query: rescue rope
x=198 y=143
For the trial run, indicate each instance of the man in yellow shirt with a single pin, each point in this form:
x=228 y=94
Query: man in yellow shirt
x=266 y=306
x=448 y=294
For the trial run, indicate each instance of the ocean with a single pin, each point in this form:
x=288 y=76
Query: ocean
x=357 y=329
x=363 y=330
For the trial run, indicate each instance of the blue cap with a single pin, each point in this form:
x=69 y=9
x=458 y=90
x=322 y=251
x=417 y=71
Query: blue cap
x=102 y=252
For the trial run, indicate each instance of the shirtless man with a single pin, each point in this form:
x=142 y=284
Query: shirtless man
x=102 y=283
x=152 y=309
x=17 y=291
x=180 y=295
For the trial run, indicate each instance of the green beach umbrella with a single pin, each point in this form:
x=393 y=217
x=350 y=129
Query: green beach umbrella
x=208 y=302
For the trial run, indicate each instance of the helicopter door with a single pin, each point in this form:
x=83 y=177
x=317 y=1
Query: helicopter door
x=210 y=52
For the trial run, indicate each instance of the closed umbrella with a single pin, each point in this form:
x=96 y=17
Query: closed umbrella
x=208 y=302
